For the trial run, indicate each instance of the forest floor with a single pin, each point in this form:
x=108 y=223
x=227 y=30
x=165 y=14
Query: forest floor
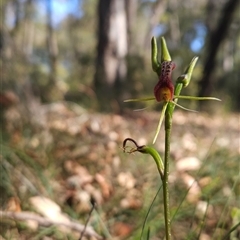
x=59 y=159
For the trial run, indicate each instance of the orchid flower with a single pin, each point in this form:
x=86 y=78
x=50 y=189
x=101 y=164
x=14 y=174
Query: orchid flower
x=165 y=91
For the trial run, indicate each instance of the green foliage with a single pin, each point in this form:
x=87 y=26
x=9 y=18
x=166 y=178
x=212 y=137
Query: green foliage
x=17 y=167
x=164 y=72
x=25 y=59
x=27 y=171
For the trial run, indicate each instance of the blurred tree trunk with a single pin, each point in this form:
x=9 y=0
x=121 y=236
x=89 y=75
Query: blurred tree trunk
x=175 y=33
x=211 y=14
x=17 y=14
x=215 y=39
x=52 y=47
x=131 y=11
x=28 y=36
x=111 y=52
x=158 y=9
x=2 y=33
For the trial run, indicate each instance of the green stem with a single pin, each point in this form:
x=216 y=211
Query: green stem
x=182 y=81
x=155 y=155
x=168 y=127
x=177 y=91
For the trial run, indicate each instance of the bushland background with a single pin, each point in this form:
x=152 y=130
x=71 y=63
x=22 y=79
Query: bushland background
x=67 y=66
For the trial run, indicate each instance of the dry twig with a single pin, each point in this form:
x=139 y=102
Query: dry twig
x=23 y=216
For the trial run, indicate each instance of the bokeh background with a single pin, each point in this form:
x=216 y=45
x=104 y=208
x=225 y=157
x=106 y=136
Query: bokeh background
x=66 y=68
x=97 y=53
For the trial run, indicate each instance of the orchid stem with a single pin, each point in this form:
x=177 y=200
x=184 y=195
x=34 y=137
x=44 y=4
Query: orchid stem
x=163 y=69
x=183 y=81
x=168 y=126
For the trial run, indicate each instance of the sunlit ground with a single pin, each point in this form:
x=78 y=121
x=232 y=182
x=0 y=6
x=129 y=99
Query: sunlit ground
x=72 y=157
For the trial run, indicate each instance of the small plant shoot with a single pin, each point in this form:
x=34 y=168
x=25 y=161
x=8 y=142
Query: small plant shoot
x=164 y=91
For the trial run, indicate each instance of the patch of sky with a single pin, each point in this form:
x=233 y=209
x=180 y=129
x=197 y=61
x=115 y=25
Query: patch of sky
x=11 y=10
x=198 y=41
x=196 y=37
x=160 y=29
x=148 y=0
x=60 y=10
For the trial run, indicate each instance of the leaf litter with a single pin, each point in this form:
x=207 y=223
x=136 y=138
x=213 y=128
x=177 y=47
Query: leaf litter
x=88 y=162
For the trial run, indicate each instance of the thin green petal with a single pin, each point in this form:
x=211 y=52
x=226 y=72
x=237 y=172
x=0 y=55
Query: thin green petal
x=140 y=99
x=197 y=98
x=160 y=121
x=165 y=56
x=156 y=65
x=186 y=77
x=187 y=109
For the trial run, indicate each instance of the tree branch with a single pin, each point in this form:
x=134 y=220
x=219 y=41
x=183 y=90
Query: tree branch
x=216 y=38
x=23 y=216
